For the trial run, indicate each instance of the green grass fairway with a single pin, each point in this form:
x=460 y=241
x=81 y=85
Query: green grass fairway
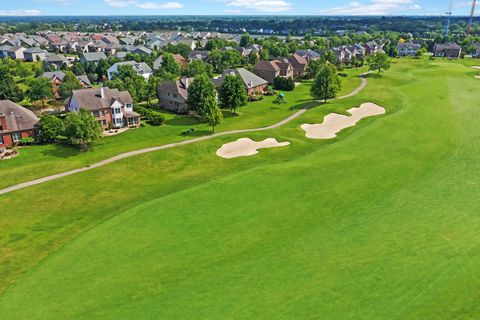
x=382 y=222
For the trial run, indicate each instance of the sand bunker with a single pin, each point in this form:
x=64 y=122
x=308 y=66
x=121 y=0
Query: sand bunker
x=477 y=77
x=476 y=67
x=247 y=147
x=334 y=122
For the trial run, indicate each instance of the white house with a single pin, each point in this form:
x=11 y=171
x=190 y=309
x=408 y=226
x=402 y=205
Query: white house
x=141 y=68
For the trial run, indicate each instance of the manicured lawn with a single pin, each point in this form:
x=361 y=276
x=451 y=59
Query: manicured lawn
x=379 y=223
x=38 y=161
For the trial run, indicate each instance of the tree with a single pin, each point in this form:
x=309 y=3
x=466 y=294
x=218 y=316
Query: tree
x=23 y=71
x=213 y=115
x=102 y=70
x=40 y=89
x=169 y=65
x=197 y=67
x=51 y=128
x=245 y=40
x=151 y=89
x=313 y=67
x=9 y=90
x=282 y=83
x=78 y=69
x=232 y=93
x=379 y=62
x=201 y=89
x=82 y=129
x=326 y=84
x=70 y=83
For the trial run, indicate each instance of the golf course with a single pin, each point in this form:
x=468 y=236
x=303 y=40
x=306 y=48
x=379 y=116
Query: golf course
x=380 y=221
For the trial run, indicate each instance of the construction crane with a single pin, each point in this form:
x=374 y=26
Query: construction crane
x=470 y=21
x=449 y=17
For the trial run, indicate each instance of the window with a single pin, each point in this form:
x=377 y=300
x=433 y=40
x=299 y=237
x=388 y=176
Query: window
x=96 y=114
x=118 y=121
x=104 y=122
x=175 y=95
x=128 y=106
x=116 y=110
x=16 y=137
x=1 y=139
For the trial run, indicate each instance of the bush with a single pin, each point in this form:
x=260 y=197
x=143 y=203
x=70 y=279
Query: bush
x=153 y=117
x=27 y=141
x=281 y=83
x=342 y=74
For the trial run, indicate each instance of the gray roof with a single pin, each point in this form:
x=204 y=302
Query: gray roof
x=94 y=56
x=139 y=67
x=91 y=99
x=17 y=117
x=60 y=75
x=250 y=79
x=34 y=50
x=54 y=58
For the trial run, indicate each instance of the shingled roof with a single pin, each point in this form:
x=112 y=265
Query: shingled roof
x=17 y=117
x=91 y=99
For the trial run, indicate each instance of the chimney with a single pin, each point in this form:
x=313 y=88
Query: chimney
x=102 y=92
x=13 y=122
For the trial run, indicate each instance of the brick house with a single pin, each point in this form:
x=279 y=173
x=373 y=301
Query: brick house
x=299 y=64
x=269 y=70
x=16 y=122
x=110 y=107
x=56 y=78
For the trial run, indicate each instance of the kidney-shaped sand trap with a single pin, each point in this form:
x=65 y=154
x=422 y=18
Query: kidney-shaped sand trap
x=334 y=122
x=247 y=147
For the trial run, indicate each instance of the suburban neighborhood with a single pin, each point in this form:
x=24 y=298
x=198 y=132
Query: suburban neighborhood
x=239 y=159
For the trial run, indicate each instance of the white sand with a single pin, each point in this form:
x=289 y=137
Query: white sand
x=247 y=147
x=476 y=67
x=477 y=77
x=334 y=122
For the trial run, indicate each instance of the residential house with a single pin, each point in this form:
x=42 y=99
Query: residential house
x=141 y=68
x=14 y=52
x=173 y=95
x=198 y=55
x=253 y=83
x=54 y=61
x=372 y=48
x=57 y=77
x=16 y=122
x=308 y=54
x=269 y=70
x=34 y=54
x=94 y=57
x=449 y=50
x=408 y=49
x=141 y=50
x=178 y=57
x=299 y=65
x=110 y=107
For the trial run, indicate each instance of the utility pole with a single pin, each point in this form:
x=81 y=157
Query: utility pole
x=449 y=17
x=470 y=21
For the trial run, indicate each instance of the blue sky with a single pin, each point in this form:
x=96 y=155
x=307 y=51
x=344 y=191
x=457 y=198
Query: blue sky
x=241 y=7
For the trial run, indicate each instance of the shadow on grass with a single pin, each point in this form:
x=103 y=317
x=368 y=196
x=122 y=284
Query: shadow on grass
x=199 y=133
x=61 y=151
x=182 y=121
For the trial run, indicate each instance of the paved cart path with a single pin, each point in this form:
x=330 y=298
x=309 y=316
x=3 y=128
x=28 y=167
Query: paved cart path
x=170 y=145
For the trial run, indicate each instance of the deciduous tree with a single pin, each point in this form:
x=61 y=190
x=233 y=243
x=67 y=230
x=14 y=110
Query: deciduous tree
x=326 y=84
x=232 y=93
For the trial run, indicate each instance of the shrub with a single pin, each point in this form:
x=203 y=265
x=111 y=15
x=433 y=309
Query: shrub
x=153 y=117
x=27 y=141
x=281 y=83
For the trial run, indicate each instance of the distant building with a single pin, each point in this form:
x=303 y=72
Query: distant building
x=94 y=57
x=141 y=68
x=269 y=70
x=16 y=122
x=449 y=50
x=110 y=107
x=56 y=79
x=253 y=83
x=34 y=54
x=173 y=95
x=408 y=49
x=476 y=54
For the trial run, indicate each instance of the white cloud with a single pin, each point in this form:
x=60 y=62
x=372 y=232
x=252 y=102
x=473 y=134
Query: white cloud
x=32 y=12
x=262 y=5
x=154 y=5
x=144 y=5
x=374 y=7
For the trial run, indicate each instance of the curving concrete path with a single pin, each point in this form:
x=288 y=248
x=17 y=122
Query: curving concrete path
x=171 y=145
